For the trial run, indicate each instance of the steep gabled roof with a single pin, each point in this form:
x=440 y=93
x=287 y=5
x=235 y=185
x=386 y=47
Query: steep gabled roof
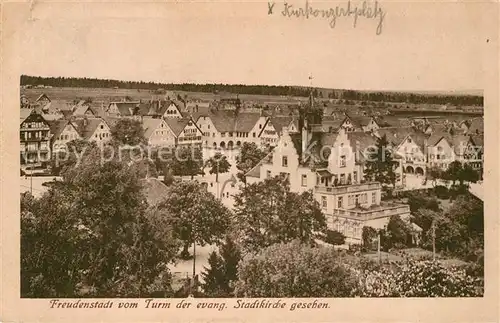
x=150 y=125
x=178 y=124
x=154 y=190
x=86 y=127
x=231 y=121
x=478 y=140
x=395 y=135
x=24 y=113
x=476 y=126
x=280 y=122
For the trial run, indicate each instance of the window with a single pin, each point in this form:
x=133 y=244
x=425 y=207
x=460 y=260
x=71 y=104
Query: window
x=268 y=174
x=284 y=161
x=304 y=180
x=208 y=126
x=324 y=203
x=230 y=134
x=253 y=133
x=223 y=134
x=355 y=176
x=340 y=202
x=260 y=126
x=342 y=178
x=374 y=197
x=350 y=200
x=342 y=161
x=409 y=140
x=102 y=126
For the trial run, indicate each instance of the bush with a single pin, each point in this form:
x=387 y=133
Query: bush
x=294 y=270
x=418 y=279
x=334 y=237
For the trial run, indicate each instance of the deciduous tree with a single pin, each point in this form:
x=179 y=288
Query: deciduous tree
x=195 y=214
x=268 y=213
x=218 y=165
x=128 y=132
x=380 y=166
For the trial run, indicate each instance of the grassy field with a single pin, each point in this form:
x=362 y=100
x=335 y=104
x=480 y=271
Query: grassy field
x=109 y=94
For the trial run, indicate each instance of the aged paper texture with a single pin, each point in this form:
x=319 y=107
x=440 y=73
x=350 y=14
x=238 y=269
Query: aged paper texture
x=255 y=103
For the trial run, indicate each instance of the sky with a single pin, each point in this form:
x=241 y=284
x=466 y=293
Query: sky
x=422 y=47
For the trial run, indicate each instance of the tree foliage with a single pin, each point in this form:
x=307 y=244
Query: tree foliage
x=218 y=164
x=187 y=161
x=417 y=279
x=268 y=213
x=294 y=270
x=334 y=237
x=195 y=214
x=380 y=166
x=128 y=132
x=90 y=236
x=250 y=155
x=222 y=273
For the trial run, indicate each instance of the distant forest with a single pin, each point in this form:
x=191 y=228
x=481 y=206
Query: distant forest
x=458 y=100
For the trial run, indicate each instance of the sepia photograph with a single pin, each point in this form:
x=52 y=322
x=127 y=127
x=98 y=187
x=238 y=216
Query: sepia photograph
x=251 y=153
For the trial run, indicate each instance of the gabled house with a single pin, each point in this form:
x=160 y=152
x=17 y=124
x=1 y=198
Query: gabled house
x=42 y=100
x=158 y=133
x=84 y=110
x=412 y=150
x=34 y=140
x=349 y=124
x=93 y=129
x=186 y=131
x=274 y=127
x=63 y=131
x=332 y=166
x=440 y=151
x=124 y=110
x=228 y=129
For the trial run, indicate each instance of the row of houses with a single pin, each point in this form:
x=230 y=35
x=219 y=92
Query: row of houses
x=331 y=163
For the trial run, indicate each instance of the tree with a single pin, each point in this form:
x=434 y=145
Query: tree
x=90 y=236
x=380 y=165
x=434 y=173
x=250 y=155
x=128 y=132
x=397 y=232
x=368 y=235
x=334 y=237
x=268 y=213
x=195 y=214
x=467 y=174
x=187 y=161
x=418 y=200
x=218 y=164
x=220 y=277
x=453 y=171
x=213 y=276
x=294 y=270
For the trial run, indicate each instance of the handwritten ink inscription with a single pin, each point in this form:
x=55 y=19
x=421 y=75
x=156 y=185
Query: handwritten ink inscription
x=367 y=10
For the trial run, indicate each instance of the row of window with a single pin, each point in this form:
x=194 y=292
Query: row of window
x=33 y=134
x=34 y=125
x=353 y=199
x=181 y=139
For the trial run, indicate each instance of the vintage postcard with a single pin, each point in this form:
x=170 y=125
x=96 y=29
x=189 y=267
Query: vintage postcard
x=305 y=161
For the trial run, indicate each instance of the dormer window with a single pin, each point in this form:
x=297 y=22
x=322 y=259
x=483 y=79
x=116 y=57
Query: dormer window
x=409 y=140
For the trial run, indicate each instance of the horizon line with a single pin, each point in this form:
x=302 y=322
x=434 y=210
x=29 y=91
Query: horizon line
x=453 y=92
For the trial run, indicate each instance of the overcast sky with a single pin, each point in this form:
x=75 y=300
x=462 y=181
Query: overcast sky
x=422 y=47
